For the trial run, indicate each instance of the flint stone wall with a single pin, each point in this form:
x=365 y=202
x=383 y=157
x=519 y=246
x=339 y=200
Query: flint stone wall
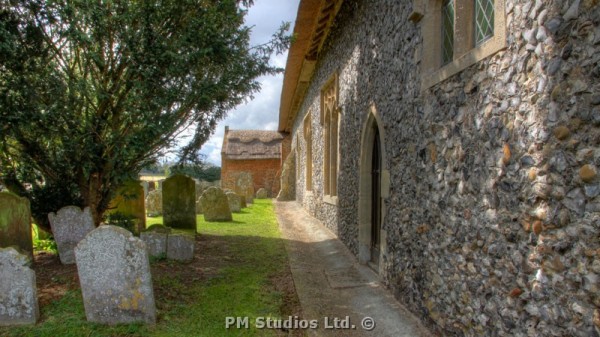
x=18 y=292
x=15 y=223
x=492 y=219
x=69 y=226
x=115 y=279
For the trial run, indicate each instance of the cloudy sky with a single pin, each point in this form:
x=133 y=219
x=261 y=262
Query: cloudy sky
x=262 y=112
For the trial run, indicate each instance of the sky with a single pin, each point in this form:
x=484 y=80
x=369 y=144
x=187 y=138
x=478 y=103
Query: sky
x=261 y=113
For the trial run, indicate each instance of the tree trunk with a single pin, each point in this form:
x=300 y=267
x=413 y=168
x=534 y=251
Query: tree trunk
x=92 y=193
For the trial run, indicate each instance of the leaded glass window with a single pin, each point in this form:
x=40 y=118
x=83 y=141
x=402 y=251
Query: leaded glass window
x=447 y=31
x=484 y=20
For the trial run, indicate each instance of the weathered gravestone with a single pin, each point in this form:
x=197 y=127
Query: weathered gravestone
x=154 y=204
x=243 y=203
x=15 y=223
x=18 y=293
x=215 y=205
x=262 y=194
x=180 y=246
x=115 y=279
x=155 y=238
x=199 y=205
x=244 y=186
x=129 y=203
x=288 y=179
x=179 y=202
x=146 y=187
x=69 y=226
x=235 y=201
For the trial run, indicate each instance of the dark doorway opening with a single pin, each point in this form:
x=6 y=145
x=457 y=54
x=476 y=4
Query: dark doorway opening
x=375 y=197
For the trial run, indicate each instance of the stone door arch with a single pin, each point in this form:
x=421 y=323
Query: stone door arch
x=371 y=207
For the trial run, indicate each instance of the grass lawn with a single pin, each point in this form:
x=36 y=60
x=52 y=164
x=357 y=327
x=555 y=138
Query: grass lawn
x=239 y=269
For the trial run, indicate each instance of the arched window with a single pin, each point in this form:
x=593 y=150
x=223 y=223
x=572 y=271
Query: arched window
x=330 y=121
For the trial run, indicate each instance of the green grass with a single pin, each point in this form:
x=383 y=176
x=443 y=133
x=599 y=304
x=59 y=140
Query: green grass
x=241 y=288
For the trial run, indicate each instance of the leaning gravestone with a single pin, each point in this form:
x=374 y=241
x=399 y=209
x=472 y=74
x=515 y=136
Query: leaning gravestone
x=244 y=186
x=69 y=226
x=115 y=279
x=18 y=293
x=154 y=205
x=155 y=238
x=179 y=202
x=235 y=201
x=262 y=194
x=130 y=203
x=215 y=205
x=15 y=223
x=180 y=246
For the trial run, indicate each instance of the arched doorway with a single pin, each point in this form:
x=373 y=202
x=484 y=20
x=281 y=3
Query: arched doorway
x=374 y=187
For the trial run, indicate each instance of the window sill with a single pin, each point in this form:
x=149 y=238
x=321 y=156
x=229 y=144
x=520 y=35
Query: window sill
x=332 y=200
x=486 y=49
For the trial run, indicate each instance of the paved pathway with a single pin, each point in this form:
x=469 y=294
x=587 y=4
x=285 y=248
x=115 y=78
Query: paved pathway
x=331 y=283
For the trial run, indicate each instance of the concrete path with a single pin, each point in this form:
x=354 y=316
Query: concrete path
x=331 y=284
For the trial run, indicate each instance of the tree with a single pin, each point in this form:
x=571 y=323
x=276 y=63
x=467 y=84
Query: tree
x=92 y=91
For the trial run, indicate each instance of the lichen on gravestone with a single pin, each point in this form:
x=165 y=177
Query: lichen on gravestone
x=15 y=223
x=114 y=274
x=179 y=202
x=18 y=293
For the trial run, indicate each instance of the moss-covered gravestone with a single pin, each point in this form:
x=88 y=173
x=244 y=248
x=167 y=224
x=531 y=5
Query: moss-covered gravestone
x=129 y=205
x=215 y=205
x=15 y=223
x=244 y=186
x=179 y=202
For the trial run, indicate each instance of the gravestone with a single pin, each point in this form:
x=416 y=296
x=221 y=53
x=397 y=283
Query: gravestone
x=243 y=203
x=215 y=205
x=154 y=203
x=15 y=223
x=288 y=179
x=235 y=201
x=18 y=293
x=155 y=238
x=146 y=187
x=129 y=203
x=69 y=226
x=180 y=246
x=262 y=194
x=114 y=274
x=179 y=202
x=198 y=206
x=244 y=186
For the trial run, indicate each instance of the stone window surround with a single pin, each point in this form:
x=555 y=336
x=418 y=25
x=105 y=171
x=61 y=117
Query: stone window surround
x=330 y=109
x=307 y=132
x=465 y=51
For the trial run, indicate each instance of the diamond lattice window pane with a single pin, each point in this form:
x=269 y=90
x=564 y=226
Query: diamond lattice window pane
x=447 y=31
x=484 y=20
